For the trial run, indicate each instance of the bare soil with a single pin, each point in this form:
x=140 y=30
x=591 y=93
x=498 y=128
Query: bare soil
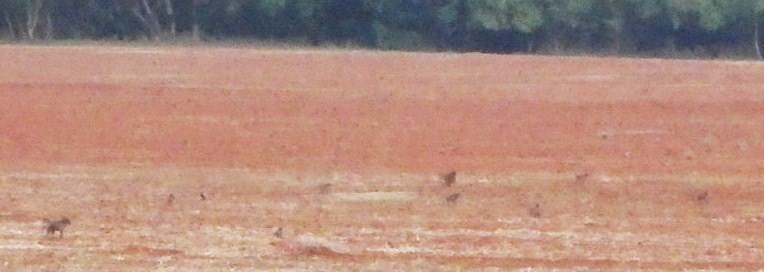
x=104 y=135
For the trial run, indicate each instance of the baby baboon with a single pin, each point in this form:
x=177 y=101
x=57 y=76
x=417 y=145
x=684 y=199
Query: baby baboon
x=582 y=177
x=535 y=211
x=53 y=226
x=202 y=196
x=325 y=188
x=279 y=233
x=702 y=197
x=453 y=198
x=449 y=178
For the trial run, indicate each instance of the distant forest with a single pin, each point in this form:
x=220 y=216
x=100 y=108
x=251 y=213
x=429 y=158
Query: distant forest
x=672 y=28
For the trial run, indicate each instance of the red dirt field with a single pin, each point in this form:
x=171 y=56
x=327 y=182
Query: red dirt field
x=104 y=135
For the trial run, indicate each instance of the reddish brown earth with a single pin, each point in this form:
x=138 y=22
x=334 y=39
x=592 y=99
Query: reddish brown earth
x=103 y=135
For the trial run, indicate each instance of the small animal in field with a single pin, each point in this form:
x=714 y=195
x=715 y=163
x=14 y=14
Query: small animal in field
x=325 y=188
x=453 y=198
x=535 y=211
x=279 y=233
x=170 y=199
x=53 y=226
x=449 y=178
x=582 y=177
x=202 y=196
x=702 y=197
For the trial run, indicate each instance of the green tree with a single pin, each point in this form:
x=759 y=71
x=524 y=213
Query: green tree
x=573 y=23
x=519 y=15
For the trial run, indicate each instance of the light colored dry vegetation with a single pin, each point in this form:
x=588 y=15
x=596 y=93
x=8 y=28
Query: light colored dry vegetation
x=121 y=221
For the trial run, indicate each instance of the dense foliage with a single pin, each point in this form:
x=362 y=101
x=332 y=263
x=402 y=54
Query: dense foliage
x=647 y=27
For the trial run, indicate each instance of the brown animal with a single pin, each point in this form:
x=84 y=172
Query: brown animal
x=702 y=197
x=453 y=198
x=449 y=178
x=582 y=177
x=535 y=211
x=53 y=226
x=202 y=196
x=325 y=188
x=170 y=199
x=279 y=233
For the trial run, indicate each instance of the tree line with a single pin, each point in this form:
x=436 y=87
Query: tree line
x=707 y=28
